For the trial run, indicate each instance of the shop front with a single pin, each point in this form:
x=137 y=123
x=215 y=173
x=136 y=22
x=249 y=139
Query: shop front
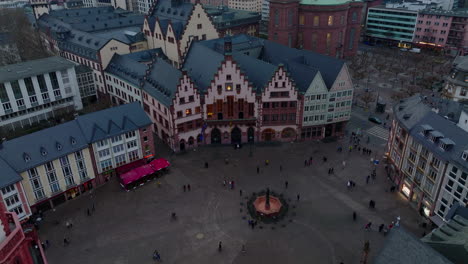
x=406 y=188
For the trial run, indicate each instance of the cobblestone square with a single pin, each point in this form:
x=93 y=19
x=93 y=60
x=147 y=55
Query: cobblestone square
x=128 y=226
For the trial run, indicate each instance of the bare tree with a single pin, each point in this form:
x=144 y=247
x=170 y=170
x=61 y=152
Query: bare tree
x=367 y=98
x=26 y=38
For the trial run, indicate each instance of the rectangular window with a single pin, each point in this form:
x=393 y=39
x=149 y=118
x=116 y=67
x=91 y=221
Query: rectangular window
x=42 y=83
x=3 y=93
x=116 y=139
x=316 y=21
x=81 y=165
x=301 y=19
x=118 y=148
x=52 y=177
x=54 y=80
x=132 y=144
x=106 y=165
x=29 y=86
x=130 y=134
x=103 y=153
x=67 y=172
x=330 y=20
x=36 y=184
x=65 y=77
x=133 y=155
x=16 y=89
x=120 y=160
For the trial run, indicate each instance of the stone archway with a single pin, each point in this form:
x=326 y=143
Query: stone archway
x=236 y=136
x=268 y=134
x=288 y=133
x=215 y=136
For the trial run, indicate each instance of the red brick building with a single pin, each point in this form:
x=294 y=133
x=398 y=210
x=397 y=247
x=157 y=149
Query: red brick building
x=18 y=245
x=324 y=26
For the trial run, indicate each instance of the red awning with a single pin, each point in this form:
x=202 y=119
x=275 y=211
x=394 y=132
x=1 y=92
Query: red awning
x=136 y=174
x=130 y=166
x=159 y=164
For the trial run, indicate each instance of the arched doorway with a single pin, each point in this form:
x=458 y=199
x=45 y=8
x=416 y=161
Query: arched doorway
x=251 y=134
x=236 y=136
x=182 y=145
x=215 y=136
x=268 y=134
x=191 y=140
x=288 y=133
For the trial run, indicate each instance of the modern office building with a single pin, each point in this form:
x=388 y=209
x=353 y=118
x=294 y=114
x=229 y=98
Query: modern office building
x=393 y=26
x=37 y=90
x=51 y=166
x=427 y=152
x=236 y=90
x=247 y=5
x=327 y=27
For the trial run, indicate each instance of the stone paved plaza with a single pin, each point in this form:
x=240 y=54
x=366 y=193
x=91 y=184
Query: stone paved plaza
x=128 y=226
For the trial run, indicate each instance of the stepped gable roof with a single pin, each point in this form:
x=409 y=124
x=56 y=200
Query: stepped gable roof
x=112 y=121
x=259 y=59
x=40 y=147
x=162 y=81
x=202 y=64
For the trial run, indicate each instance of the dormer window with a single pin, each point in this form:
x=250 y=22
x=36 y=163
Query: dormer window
x=26 y=157
x=58 y=146
x=435 y=135
x=43 y=151
x=72 y=140
x=446 y=144
x=465 y=155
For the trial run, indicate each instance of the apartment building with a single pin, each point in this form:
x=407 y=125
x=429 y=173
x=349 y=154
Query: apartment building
x=37 y=90
x=51 y=166
x=427 y=154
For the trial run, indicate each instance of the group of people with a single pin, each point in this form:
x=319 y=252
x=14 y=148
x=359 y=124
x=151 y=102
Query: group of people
x=231 y=184
x=187 y=188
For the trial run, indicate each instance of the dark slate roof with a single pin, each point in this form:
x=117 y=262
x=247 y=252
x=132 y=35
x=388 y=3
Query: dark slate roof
x=224 y=17
x=20 y=154
x=112 y=121
x=451 y=239
x=416 y=114
x=9 y=175
x=85 y=31
x=33 y=67
x=132 y=67
x=162 y=80
x=402 y=247
x=202 y=64
x=258 y=59
x=25 y=152
x=173 y=10
x=457 y=209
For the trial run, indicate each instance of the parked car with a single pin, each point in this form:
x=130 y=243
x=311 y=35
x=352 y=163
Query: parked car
x=376 y=120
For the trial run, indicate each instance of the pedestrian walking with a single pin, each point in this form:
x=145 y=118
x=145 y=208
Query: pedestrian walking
x=258 y=169
x=240 y=192
x=349 y=185
x=185 y=188
x=156 y=256
x=220 y=246
x=243 y=249
x=286 y=184
x=66 y=242
x=188 y=187
x=324 y=159
x=332 y=170
x=298 y=197
x=94 y=208
x=267 y=162
x=367 y=179
x=224 y=183
x=368 y=226
x=47 y=243
x=206 y=165
x=88 y=212
x=381 y=227
x=354 y=216
x=344 y=163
